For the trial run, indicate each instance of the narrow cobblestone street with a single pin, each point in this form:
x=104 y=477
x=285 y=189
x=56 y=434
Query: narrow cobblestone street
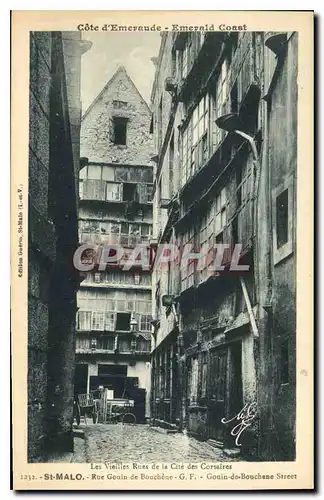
x=140 y=443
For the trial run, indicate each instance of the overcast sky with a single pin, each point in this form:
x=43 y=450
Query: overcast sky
x=110 y=50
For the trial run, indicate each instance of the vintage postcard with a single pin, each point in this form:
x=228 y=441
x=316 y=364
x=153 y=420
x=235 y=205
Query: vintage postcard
x=162 y=194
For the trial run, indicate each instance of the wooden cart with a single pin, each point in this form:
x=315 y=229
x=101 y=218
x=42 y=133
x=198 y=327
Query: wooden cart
x=119 y=410
x=86 y=404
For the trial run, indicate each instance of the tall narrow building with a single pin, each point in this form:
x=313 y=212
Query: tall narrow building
x=115 y=208
x=225 y=125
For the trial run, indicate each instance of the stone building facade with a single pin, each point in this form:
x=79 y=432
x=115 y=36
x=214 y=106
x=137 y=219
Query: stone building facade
x=225 y=111
x=116 y=186
x=54 y=129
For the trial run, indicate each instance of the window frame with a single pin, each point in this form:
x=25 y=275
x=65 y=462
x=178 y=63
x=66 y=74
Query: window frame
x=118 y=191
x=118 y=121
x=195 y=139
x=188 y=273
x=220 y=211
x=207 y=238
x=287 y=248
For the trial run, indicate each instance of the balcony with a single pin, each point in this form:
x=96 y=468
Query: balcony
x=102 y=191
x=118 y=280
x=115 y=322
x=115 y=285
x=125 y=240
x=131 y=345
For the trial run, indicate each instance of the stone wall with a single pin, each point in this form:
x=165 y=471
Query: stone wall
x=52 y=238
x=39 y=139
x=97 y=142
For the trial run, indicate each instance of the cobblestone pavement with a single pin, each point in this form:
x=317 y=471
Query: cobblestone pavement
x=140 y=443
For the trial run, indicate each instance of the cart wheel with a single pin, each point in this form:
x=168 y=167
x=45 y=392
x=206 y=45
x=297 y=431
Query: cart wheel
x=128 y=418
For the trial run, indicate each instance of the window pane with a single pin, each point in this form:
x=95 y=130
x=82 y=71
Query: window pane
x=114 y=228
x=105 y=227
x=282 y=218
x=218 y=203
x=113 y=191
x=121 y=174
x=147 y=175
x=218 y=222
x=120 y=131
x=206 y=121
x=223 y=197
x=94 y=172
x=195 y=116
x=149 y=192
x=108 y=173
x=201 y=128
x=223 y=217
x=110 y=303
x=110 y=321
x=134 y=229
x=83 y=173
x=145 y=230
x=98 y=321
x=84 y=320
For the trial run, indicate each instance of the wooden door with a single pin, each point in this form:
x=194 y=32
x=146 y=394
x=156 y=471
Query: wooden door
x=217 y=392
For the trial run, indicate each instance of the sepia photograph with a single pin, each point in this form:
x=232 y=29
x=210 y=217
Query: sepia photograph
x=159 y=249
x=137 y=336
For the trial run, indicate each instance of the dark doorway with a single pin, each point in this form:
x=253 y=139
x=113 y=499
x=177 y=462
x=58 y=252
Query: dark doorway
x=112 y=370
x=81 y=377
x=236 y=396
x=218 y=383
x=113 y=377
x=129 y=191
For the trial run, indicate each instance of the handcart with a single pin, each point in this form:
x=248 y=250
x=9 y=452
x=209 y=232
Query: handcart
x=119 y=411
x=84 y=405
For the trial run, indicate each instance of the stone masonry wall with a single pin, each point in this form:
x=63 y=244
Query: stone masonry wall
x=40 y=80
x=97 y=125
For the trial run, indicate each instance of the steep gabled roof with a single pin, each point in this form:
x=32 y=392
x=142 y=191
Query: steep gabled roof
x=120 y=69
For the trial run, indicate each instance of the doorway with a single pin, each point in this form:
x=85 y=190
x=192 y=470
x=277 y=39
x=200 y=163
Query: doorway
x=81 y=379
x=218 y=386
x=235 y=370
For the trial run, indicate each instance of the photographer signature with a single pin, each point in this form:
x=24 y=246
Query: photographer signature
x=244 y=418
